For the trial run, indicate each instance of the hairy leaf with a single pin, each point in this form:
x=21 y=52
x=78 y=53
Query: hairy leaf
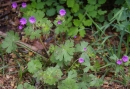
x=25 y=86
x=72 y=74
x=9 y=41
x=34 y=66
x=68 y=83
x=80 y=47
x=52 y=75
x=32 y=33
x=73 y=31
x=64 y=52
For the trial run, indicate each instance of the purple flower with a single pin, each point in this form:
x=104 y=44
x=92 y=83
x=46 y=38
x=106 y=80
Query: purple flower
x=59 y=22
x=24 y=4
x=23 y=21
x=85 y=49
x=75 y=36
x=20 y=27
x=81 y=60
x=32 y=19
x=14 y=5
x=62 y=12
x=119 y=62
x=125 y=58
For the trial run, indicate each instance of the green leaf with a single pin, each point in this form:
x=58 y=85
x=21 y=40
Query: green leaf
x=96 y=81
x=35 y=34
x=25 y=86
x=93 y=13
x=34 y=66
x=80 y=47
x=70 y=3
x=97 y=6
x=65 y=52
x=51 y=12
x=92 y=1
x=9 y=41
x=68 y=83
x=87 y=22
x=91 y=52
x=58 y=8
x=86 y=58
x=82 y=32
x=38 y=15
x=39 y=1
x=40 y=5
x=76 y=22
x=73 y=31
x=101 y=1
x=72 y=74
x=82 y=85
x=100 y=12
x=46 y=26
x=33 y=5
x=86 y=69
x=49 y=2
x=127 y=2
x=20 y=86
x=114 y=57
x=75 y=8
x=89 y=8
x=80 y=16
x=53 y=60
x=52 y=75
x=32 y=33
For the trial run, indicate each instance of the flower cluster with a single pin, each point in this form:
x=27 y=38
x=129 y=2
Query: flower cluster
x=14 y=5
x=23 y=21
x=123 y=59
x=62 y=13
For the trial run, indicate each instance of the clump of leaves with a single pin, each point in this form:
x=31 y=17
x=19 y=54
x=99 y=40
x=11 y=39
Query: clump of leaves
x=34 y=66
x=93 y=9
x=68 y=83
x=52 y=75
x=9 y=41
x=32 y=33
x=64 y=52
x=25 y=86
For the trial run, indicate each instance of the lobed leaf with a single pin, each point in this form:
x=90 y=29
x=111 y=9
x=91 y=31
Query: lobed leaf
x=34 y=66
x=9 y=41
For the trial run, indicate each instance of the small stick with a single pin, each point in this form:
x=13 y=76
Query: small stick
x=25 y=45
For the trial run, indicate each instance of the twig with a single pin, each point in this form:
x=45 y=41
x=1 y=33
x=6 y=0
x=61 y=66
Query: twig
x=25 y=45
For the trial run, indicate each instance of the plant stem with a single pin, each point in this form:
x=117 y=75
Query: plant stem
x=44 y=47
x=72 y=65
x=30 y=48
x=119 y=47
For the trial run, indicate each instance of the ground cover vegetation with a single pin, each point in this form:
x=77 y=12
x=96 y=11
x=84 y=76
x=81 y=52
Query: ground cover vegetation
x=68 y=44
